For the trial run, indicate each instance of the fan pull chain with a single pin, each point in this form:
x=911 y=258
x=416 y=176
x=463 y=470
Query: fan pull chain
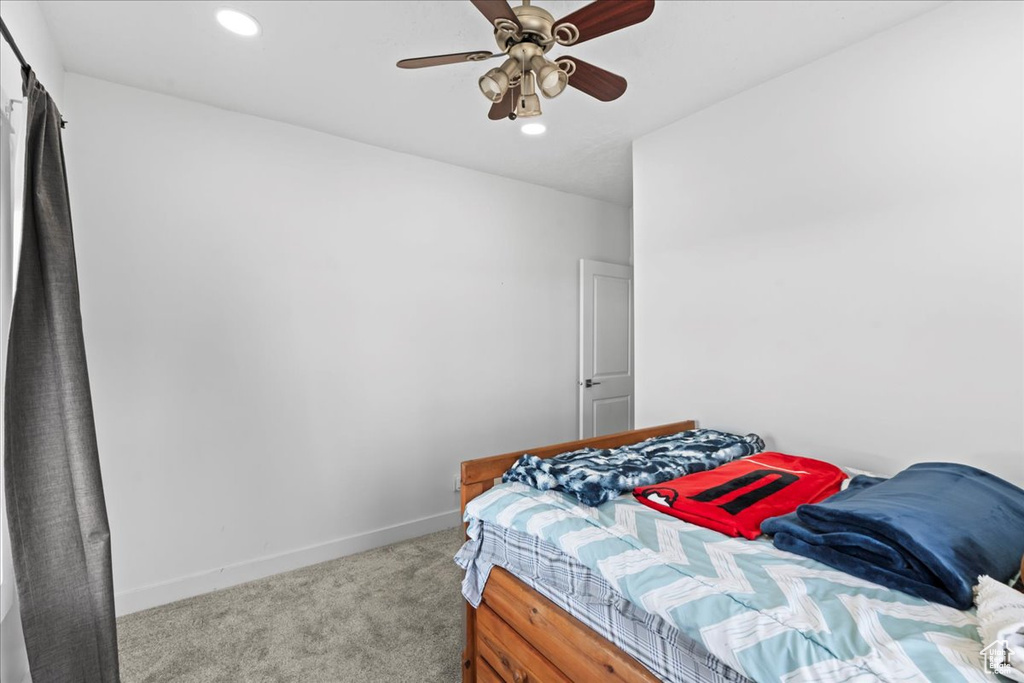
x=522 y=89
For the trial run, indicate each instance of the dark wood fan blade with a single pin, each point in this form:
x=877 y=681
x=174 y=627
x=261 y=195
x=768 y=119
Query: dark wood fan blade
x=604 y=16
x=496 y=9
x=595 y=81
x=438 y=60
x=501 y=110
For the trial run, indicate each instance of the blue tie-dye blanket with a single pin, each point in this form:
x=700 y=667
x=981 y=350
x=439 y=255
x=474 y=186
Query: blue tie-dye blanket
x=596 y=476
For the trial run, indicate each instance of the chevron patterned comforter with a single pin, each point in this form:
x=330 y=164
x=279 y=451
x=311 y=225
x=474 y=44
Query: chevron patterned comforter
x=769 y=614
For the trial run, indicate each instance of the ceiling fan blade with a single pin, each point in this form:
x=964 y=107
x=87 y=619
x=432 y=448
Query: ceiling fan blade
x=501 y=110
x=601 y=17
x=593 y=80
x=438 y=60
x=495 y=10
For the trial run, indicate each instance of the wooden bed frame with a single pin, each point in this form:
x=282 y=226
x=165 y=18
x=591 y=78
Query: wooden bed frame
x=519 y=636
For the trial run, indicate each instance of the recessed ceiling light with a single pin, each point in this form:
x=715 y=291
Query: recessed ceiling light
x=533 y=128
x=238 y=22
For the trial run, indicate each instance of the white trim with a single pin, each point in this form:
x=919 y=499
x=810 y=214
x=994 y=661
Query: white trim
x=162 y=593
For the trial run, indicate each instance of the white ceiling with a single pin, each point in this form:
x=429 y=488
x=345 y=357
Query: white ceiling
x=330 y=66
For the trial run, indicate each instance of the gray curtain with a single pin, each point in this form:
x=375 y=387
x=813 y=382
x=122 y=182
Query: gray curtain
x=60 y=540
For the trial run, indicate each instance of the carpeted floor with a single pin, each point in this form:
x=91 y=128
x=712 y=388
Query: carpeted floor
x=390 y=614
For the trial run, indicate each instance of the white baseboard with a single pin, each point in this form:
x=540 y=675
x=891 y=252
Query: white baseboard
x=138 y=599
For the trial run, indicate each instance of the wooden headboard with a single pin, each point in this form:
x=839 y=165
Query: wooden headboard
x=478 y=475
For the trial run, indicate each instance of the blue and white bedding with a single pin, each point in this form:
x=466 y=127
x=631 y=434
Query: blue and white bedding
x=767 y=614
x=595 y=476
x=659 y=646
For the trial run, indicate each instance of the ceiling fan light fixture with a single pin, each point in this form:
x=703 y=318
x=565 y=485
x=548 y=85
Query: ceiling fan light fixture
x=524 y=35
x=494 y=85
x=533 y=128
x=551 y=80
x=528 y=105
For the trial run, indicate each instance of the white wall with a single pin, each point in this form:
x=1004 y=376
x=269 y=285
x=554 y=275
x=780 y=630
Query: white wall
x=25 y=21
x=294 y=339
x=834 y=259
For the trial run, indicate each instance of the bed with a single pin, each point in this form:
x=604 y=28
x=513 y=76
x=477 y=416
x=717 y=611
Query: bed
x=531 y=623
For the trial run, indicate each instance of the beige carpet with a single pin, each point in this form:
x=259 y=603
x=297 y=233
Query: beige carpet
x=390 y=614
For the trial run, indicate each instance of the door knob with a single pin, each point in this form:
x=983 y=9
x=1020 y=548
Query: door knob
x=590 y=383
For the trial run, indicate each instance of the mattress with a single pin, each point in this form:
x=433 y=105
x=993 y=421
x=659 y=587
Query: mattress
x=662 y=648
x=757 y=611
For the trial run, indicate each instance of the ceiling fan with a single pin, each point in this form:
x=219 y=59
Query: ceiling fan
x=524 y=35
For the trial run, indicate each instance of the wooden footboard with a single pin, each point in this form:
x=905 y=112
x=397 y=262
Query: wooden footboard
x=517 y=635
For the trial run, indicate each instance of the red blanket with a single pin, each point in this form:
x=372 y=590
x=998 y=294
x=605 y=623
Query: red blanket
x=735 y=498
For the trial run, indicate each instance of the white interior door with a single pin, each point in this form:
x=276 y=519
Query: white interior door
x=606 y=348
